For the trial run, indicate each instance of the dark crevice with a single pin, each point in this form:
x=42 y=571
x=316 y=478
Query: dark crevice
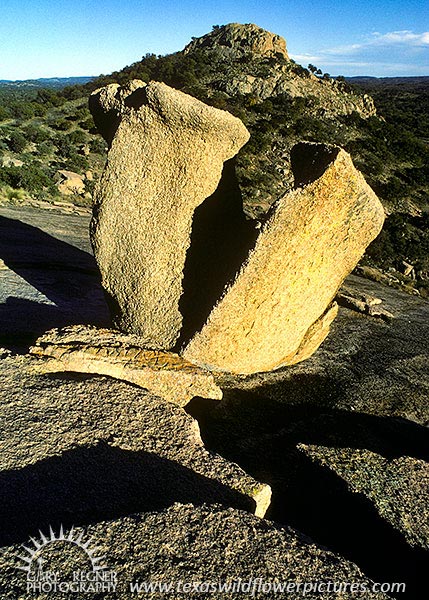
x=309 y=161
x=221 y=240
x=262 y=434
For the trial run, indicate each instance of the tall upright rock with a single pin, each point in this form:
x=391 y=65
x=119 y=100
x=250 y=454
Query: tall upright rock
x=166 y=157
x=278 y=310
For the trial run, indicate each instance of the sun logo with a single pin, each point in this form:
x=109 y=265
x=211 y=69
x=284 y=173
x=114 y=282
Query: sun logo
x=35 y=552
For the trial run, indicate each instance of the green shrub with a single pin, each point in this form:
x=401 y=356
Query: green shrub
x=17 y=142
x=35 y=133
x=77 y=136
x=32 y=178
x=98 y=145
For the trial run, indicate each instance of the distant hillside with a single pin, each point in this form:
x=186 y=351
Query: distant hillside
x=390 y=82
x=50 y=82
x=401 y=100
x=247 y=71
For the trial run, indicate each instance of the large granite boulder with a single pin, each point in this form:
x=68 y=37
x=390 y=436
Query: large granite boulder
x=166 y=157
x=278 y=310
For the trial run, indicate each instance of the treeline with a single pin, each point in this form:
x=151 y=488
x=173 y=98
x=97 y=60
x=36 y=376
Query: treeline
x=48 y=130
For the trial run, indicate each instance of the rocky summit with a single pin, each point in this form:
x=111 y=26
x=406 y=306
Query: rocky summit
x=249 y=72
x=236 y=40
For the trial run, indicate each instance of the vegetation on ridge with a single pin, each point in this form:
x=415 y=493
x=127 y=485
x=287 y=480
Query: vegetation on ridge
x=49 y=130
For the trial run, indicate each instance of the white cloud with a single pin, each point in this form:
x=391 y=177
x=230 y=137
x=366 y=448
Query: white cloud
x=402 y=37
x=392 y=39
x=403 y=52
x=306 y=58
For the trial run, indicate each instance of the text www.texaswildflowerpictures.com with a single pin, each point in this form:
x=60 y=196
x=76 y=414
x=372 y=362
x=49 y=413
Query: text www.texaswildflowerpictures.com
x=260 y=586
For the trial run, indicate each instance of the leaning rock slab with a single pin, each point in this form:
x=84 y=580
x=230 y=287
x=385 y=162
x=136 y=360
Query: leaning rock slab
x=77 y=448
x=278 y=310
x=108 y=352
x=166 y=157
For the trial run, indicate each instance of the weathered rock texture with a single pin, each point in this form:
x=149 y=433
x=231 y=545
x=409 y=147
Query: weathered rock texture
x=236 y=39
x=278 y=310
x=108 y=352
x=209 y=545
x=77 y=449
x=166 y=157
x=398 y=488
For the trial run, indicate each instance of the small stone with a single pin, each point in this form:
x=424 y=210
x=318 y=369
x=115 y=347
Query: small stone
x=70 y=183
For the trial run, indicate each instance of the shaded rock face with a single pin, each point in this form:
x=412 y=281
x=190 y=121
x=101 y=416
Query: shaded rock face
x=278 y=310
x=166 y=157
x=79 y=448
x=399 y=488
x=236 y=39
x=342 y=438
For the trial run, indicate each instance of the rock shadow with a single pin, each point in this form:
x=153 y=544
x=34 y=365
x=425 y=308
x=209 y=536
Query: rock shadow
x=262 y=434
x=89 y=484
x=221 y=240
x=67 y=276
x=310 y=160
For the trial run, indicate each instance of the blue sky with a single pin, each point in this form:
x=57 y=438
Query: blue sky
x=46 y=38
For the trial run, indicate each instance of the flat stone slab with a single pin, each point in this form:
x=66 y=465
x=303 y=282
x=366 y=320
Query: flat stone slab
x=79 y=448
x=109 y=352
x=48 y=276
x=201 y=552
